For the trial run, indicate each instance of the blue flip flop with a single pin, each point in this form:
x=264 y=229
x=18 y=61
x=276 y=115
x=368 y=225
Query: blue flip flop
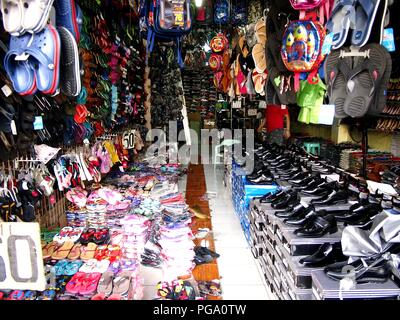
x=61 y=267
x=45 y=49
x=365 y=16
x=339 y=23
x=72 y=268
x=20 y=72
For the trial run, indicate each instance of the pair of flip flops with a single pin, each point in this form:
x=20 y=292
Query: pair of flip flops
x=67 y=268
x=356 y=84
x=365 y=17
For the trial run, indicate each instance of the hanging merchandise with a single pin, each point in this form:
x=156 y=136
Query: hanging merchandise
x=357 y=80
x=322 y=8
x=302 y=49
x=255 y=10
x=219 y=43
x=239 y=12
x=166 y=21
x=204 y=14
x=310 y=97
x=221 y=12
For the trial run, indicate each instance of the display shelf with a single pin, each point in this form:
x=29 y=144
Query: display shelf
x=325 y=288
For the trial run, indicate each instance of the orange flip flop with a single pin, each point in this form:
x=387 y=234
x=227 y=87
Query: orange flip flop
x=89 y=251
x=63 y=251
x=75 y=252
x=49 y=249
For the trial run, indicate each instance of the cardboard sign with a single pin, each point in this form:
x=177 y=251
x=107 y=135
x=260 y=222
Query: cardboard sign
x=128 y=139
x=21 y=260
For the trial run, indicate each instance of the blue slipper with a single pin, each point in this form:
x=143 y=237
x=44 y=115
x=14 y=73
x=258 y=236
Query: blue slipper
x=60 y=267
x=72 y=268
x=20 y=72
x=69 y=15
x=365 y=16
x=45 y=49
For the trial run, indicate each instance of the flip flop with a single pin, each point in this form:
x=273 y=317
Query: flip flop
x=62 y=252
x=76 y=282
x=340 y=20
x=69 y=68
x=35 y=14
x=261 y=31
x=365 y=16
x=45 y=49
x=105 y=285
x=49 y=249
x=48 y=294
x=379 y=102
x=337 y=72
x=75 y=252
x=381 y=21
x=259 y=57
x=122 y=283
x=364 y=81
x=89 y=251
x=90 y=283
x=72 y=268
x=11 y=11
x=21 y=72
x=60 y=267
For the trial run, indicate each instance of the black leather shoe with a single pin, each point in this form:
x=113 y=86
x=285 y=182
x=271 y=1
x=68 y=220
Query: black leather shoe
x=334 y=198
x=318 y=227
x=270 y=198
x=375 y=271
x=295 y=211
x=360 y=213
x=286 y=202
x=262 y=179
x=299 y=178
x=302 y=218
x=325 y=255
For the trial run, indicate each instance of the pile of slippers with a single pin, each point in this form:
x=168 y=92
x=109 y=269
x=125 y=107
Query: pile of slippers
x=42 y=57
x=357 y=76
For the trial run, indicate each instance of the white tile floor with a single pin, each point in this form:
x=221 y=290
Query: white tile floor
x=241 y=277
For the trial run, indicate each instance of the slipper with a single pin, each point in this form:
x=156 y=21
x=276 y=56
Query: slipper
x=105 y=285
x=76 y=282
x=89 y=284
x=12 y=16
x=365 y=16
x=68 y=15
x=20 y=68
x=89 y=266
x=88 y=252
x=45 y=49
x=62 y=252
x=122 y=283
x=337 y=72
x=35 y=14
x=261 y=31
x=72 y=268
x=339 y=22
x=379 y=102
x=69 y=68
x=75 y=252
x=381 y=21
x=364 y=81
x=48 y=294
x=259 y=58
x=30 y=295
x=49 y=249
x=60 y=267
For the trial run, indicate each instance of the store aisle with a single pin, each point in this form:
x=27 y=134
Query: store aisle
x=241 y=278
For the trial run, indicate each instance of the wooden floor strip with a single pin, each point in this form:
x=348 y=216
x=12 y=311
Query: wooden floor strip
x=196 y=189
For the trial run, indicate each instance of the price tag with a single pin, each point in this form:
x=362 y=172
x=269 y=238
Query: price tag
x=6 y=90
x=262 y=105
x=252 y=112
x=327 y=46
x=21 y=260
x=388 y=40
x=237 y=104
x=13 y=128
x=128 y=139
x=38 y=124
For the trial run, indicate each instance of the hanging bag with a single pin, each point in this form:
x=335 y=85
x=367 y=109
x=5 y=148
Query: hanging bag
x=221 y=12
x=310 y=8
x=302 y=49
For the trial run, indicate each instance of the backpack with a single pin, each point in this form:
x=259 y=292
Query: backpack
x=221 y=12
x=324 y=7
x=302 y=48
x=165 y=21
x=239 y=13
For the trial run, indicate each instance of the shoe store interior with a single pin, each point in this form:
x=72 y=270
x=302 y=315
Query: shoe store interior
x=288 y=110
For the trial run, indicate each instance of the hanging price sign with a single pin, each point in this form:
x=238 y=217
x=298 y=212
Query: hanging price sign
x=21 y=260
x=128 y=139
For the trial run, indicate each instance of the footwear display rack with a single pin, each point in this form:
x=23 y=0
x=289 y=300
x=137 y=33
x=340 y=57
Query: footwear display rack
x=242 y=194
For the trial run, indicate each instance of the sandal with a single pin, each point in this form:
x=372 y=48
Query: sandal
x=62 y=252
